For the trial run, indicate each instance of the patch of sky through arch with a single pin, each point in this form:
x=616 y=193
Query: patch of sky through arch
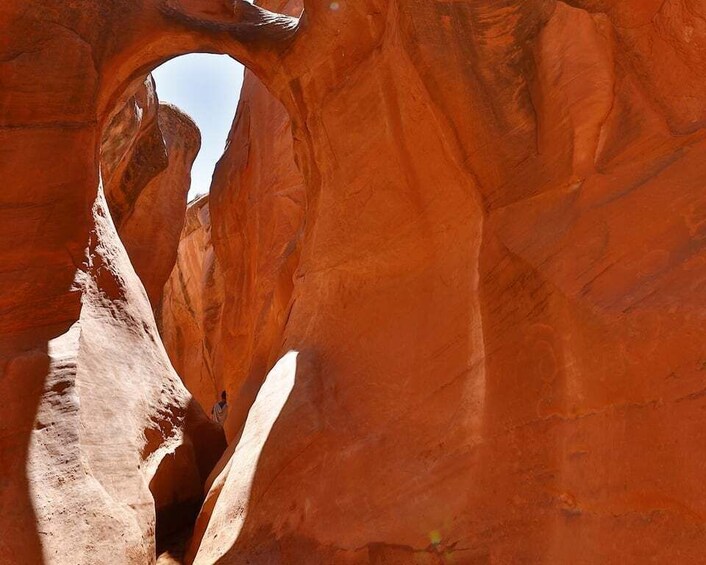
x=207 y=88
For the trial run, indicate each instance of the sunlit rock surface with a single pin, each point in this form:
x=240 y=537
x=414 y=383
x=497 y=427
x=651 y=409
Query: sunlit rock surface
x=146 y=155
x=491 y=346
x=226 y=303
x=498 y=295
x=133 y=151
x=189 y=319
x=94 y=416
x=258 y=204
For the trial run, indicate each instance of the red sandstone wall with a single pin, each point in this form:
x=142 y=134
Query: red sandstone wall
x=498 y=296
x=190 y=313
x=151 y=232
x=258 y=205
x=146 y=156
x=244 y=239
x=491 y=350
x=92 y=407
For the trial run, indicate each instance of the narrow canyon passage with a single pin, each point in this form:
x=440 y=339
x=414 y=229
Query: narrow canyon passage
x=105 y=428
x=152 y=168
x=451 y=272
x=147 y=194
x=149 y=170
x=196 y=310
x=190 y=307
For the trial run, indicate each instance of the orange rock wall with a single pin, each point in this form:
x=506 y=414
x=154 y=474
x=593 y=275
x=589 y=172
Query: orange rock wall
x=146 y=156
x=152 y=231
x=133 y=150
x=498 y=298
x=226 y=303
x=92 y=407
x=491 y=349
x=258 y=204
x=190 y=313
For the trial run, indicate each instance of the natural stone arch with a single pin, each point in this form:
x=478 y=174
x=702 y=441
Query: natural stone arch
x=504 y=357
x=65 y=72
x=252 y=35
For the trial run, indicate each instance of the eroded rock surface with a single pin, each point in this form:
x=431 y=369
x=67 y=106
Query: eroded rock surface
x=93 y=412
x=190 y=313
x=146 y=155
x=498 y=295
x=226 y=303
x=491 y=346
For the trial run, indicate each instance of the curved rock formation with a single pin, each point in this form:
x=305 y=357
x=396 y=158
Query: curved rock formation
x=226 y=303
x=151 y=232
x=491 y=349
x=258 y=202
x=146 y=156
x=92 y=407
x=498 y=295
x=190 y=314
x=133 y=151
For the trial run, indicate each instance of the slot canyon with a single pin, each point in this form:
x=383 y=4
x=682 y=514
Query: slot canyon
x=451 y=272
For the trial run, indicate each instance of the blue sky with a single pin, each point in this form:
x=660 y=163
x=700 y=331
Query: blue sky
x=207 y=88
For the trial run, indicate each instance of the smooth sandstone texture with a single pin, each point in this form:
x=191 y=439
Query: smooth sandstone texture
x=94 y=415
x=258 y=204
x=190 y=314
x=133 y=151
x=152 y=231
x=498 y=299
x=226 y=303
x=146 y=156
x=492 y=348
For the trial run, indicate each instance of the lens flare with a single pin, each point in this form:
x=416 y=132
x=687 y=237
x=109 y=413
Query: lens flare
x=435 y=537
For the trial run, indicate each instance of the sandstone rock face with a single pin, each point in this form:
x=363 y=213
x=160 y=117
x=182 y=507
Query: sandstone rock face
x=133 y=151
x=146 y=156
x=491 y=347
x=93 y=412
x=258 y=203
x=147 y=153
x=151 y=232
x=190 y=314
x=226 y=303
x=107 y=427
x=498 y=297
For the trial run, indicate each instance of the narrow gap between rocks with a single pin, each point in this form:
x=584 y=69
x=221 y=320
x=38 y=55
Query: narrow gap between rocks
x=206 y=88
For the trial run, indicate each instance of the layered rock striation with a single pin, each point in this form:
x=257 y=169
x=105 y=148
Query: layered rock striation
x=496 y=295
x=470 y=332
x=190 y=314
x=95 y=418
x=146 y=156
x=226 y=303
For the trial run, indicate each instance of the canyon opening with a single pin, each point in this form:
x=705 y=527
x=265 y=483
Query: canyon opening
x=450 y=272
